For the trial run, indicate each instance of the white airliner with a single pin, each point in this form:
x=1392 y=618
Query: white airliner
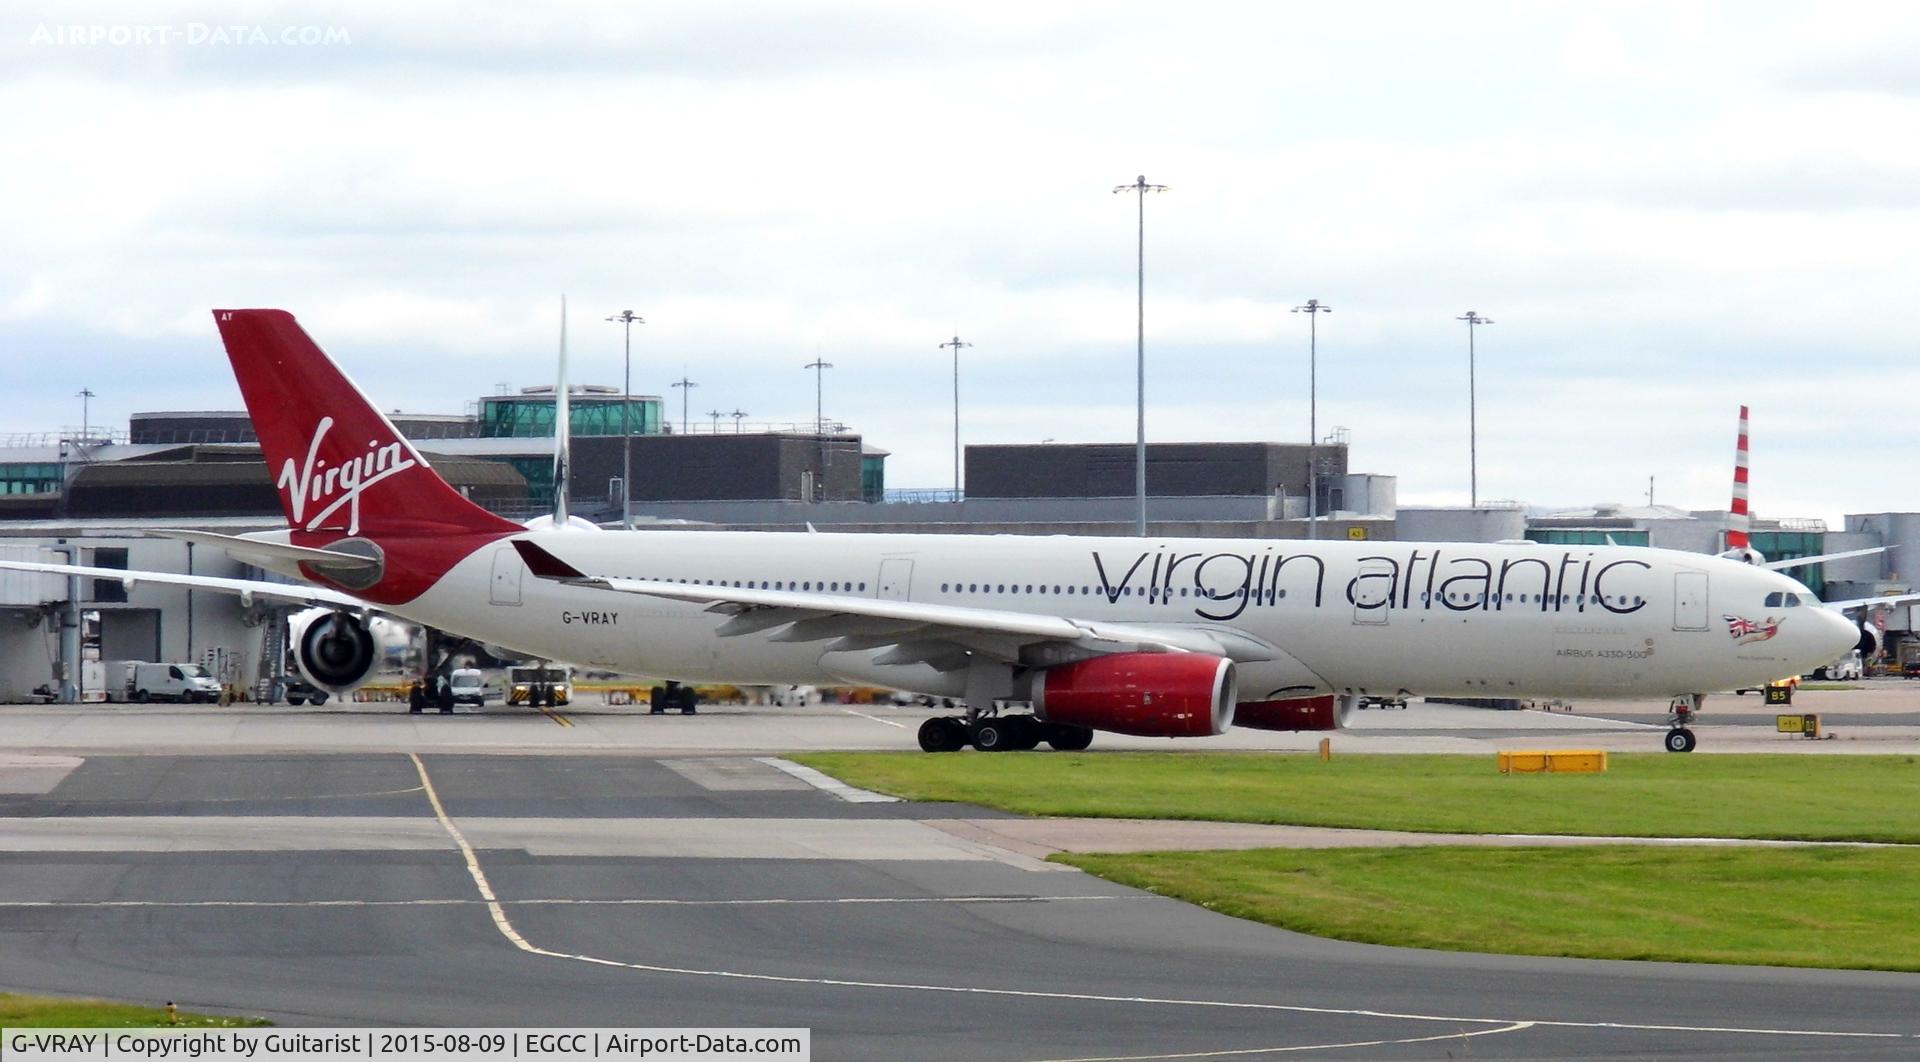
x=1153 y=636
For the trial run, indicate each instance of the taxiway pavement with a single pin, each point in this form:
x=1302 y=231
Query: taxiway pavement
x=666 y=889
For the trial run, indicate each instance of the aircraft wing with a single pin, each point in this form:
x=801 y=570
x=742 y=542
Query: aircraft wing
x=1801 y=562
x=245 y=589
x=1869 y=602
x=916 y=631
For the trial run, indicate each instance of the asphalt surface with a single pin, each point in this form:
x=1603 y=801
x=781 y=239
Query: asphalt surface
x=673 y=890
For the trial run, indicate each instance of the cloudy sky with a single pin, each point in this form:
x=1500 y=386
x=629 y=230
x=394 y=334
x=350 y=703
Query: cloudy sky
x=1667 y=209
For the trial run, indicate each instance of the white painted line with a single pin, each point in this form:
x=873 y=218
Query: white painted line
x=776 y=902
x=513 y=936
x=875 y=718
x=823 y=782
x=1229 y=1053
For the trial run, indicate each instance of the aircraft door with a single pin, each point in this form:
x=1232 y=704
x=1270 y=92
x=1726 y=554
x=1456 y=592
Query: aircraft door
x=1690 y=601
x=896 y=578
x=1373 y=592
x=507 y=569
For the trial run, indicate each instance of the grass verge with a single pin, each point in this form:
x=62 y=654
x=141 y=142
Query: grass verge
x=28 y=1012
x=1859 y=798
x=1841 y=908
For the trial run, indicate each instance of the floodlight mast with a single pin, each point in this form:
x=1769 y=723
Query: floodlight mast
x=956 y=344
x=1313 y=309
x=1140 y=188
x=627 y=318
x=1473 y=320
x=686 y=387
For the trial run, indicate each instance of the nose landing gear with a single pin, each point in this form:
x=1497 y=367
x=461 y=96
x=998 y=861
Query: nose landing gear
x=1679 y=714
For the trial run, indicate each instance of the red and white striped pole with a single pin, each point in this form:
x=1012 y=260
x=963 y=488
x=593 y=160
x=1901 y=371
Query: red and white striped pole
x=1737 y=522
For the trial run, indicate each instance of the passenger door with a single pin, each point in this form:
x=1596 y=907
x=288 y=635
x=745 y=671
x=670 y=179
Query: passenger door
x=896 y=579
x=507 y=569
x=1690 y=601
x=1373 y=592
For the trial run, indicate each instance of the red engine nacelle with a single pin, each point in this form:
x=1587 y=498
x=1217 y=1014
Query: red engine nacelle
x=1145 y=694
x=1293 y=713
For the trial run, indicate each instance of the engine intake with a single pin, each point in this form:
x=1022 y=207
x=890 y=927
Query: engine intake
x=1144 y=694
x=1869 y=644
x=1326 y=712
x=335 y=651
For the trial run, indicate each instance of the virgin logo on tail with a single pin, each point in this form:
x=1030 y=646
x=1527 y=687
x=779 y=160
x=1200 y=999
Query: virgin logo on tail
x=316 y=483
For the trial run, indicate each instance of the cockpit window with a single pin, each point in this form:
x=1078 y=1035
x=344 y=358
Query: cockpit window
x=1793 y=600
x=1773 y=599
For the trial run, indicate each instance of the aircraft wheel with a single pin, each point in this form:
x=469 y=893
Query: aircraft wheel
x=1680 y=740
x=941 y=734
x=992 y=735
x=1069 y=738
x=319 y=698
x=1026 y=731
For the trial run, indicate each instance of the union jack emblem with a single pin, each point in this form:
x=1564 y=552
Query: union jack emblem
x=1745 y=631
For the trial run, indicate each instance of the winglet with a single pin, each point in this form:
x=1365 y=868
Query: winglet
x=544 y=564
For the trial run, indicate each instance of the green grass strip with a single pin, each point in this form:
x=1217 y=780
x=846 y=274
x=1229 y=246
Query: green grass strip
x=40 y=1012
x=1842 y=908
x=1799 y=797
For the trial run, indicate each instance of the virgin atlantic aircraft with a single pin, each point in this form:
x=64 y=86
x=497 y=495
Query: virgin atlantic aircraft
x=1154 y=636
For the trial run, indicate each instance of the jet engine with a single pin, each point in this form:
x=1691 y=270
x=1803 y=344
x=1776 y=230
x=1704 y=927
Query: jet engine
x=1869 y=644
x=1325 y=712
x=1145 y=694
x=339 y=651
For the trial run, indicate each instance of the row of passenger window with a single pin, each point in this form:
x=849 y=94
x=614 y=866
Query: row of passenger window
x=844 y=586
x=1151 y=593
x=1616 y=600
x=1269 y=596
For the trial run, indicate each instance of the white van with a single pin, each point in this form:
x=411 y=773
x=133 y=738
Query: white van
x=469 y=686
x=173 y=682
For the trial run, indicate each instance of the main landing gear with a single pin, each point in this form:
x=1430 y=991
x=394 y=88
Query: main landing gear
x=1679 y=714
x=999 y=733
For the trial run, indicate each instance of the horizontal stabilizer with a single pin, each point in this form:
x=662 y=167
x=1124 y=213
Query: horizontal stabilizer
x=253 y=549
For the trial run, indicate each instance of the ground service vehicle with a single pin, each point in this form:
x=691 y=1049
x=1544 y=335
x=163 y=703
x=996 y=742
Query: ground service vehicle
x=1846 y=669
x=173 y=682
x=469 y=686
x=299 y=691
x=540 y=686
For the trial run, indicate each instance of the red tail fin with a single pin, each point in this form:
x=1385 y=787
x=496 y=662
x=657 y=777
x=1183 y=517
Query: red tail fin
x=340 y=466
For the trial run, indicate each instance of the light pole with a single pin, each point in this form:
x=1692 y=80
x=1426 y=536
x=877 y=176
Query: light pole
x=737 y=414
x=956 y=344
x=1313 y=309
x=686 y=387
x=1140 y=188
x=716 y=415
x=86 y=394
x=628 y=319
x=1473 y=320
x=819 y=368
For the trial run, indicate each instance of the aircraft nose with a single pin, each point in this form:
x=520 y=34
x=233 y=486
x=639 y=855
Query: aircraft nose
x=1839 y=631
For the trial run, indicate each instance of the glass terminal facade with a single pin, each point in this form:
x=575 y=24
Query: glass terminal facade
x=530 y=416
x=1586 y=536
x=29 y=478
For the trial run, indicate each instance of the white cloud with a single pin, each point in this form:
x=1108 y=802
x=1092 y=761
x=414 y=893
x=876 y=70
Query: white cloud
x=1663 y=224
